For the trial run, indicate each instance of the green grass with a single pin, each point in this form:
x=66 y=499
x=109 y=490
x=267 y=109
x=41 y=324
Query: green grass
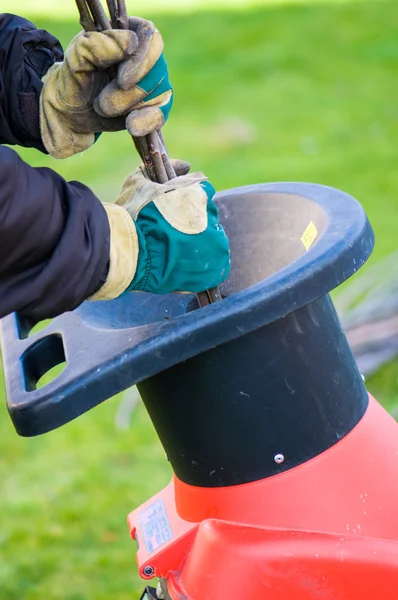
x=305 y=93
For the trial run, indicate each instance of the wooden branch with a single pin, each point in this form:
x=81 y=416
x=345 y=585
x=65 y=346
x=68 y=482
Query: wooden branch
x=86 y=20
x=100 y=18
x=171 y=174
x=157 y=159
x=113 y=12
x=142 y=146
x=122 y=16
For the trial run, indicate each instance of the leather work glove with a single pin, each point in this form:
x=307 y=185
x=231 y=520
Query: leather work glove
x=142 y=90
x=69 y=124
x=165 y=238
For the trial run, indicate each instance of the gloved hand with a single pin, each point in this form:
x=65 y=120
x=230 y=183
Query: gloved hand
x=145 y=96
x=69 y=124
x=165 y=237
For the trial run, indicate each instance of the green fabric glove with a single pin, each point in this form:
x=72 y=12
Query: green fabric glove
x=142 y=90
x=182 y=244
x=165 y=238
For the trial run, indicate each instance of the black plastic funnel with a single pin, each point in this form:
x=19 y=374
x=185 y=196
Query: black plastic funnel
x=265 y=372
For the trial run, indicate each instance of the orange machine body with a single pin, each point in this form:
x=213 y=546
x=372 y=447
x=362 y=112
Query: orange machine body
x=326 y=530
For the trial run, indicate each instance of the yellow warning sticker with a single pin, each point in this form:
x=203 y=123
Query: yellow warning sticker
x=309 y=235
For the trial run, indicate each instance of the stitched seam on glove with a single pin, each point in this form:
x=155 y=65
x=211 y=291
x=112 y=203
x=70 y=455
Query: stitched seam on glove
x=148 y=93
x=148 y=268
x=70 y=108
x=156 y=102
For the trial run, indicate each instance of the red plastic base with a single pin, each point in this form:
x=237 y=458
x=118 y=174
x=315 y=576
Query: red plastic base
x=325 y=530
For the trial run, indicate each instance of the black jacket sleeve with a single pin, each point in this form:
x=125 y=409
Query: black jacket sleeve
x=26 y=54
x=54 y=240
x=54 y=235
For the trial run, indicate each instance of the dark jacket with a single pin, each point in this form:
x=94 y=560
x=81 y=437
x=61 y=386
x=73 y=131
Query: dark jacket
x=54 y=235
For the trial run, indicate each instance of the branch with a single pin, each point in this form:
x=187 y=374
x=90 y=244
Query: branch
x=86 y=20
x=122 y=17
x=113 y=11
x=157 y=160
x=100 y=18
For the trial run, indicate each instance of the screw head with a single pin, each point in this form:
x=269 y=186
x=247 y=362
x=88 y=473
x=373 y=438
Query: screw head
x=279 y=459
x=149 y=571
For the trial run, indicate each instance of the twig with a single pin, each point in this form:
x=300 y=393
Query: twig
x=100 y=18
x=122 y=16
x=113 y=12
x=164 y=164
x=171 y=174
x=101 y=23
x=157 y=158
x=209 y=297
x=165 y=158
x=203 y=299
x=142 y=145
x=162 y=143
x=214 y=295
x=160 y=134
x=118 y=13
x=86 y=20
x=122 y=22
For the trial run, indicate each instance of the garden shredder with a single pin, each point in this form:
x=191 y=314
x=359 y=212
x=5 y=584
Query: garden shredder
x=285 y=479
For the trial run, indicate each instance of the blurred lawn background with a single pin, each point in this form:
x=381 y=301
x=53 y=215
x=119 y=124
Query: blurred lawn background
x=264 y=92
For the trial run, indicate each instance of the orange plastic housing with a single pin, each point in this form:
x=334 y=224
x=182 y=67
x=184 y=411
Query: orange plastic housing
x=327 y=530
